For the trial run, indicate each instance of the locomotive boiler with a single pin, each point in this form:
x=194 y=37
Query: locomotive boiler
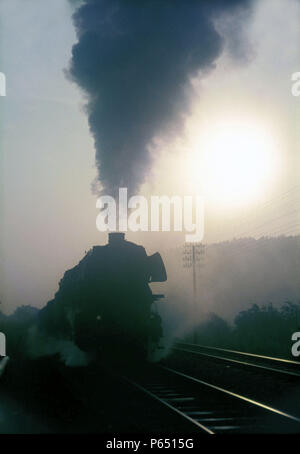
x=105 y=304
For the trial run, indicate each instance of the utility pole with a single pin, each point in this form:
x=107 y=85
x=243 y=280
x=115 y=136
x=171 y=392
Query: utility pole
x=192 y=258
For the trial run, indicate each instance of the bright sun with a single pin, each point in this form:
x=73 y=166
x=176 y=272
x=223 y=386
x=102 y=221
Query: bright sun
x=237 y=162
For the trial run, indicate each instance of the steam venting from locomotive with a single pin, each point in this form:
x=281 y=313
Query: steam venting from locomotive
x=134 y=61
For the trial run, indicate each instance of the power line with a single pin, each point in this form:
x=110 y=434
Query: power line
x=245 y=219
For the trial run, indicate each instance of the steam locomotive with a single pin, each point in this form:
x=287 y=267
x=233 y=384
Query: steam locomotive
x=105 y=304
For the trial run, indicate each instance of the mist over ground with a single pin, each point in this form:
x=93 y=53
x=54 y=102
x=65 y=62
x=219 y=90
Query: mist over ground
x=247 y=291
x=233 y=276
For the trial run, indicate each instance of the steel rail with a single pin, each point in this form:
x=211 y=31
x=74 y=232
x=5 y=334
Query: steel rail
x=288 y=361
x=167 y=404
x=243 y=363
x=238 y=396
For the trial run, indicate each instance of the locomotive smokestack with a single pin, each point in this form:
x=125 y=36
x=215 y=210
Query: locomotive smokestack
x=115 y=238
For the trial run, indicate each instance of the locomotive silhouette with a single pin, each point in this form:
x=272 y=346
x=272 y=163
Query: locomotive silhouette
x=105 y=304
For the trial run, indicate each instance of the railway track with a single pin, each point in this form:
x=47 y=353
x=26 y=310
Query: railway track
x=202 y=405
x=266 y=363
x=212 y=409
x=209 y=408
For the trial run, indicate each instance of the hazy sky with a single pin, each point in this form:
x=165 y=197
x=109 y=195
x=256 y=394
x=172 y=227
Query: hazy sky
x=48 y=212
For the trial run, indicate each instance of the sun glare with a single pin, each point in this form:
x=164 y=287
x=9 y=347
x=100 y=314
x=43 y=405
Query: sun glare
x=235 y=163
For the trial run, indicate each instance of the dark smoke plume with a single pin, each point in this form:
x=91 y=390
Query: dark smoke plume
x=134 y=60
